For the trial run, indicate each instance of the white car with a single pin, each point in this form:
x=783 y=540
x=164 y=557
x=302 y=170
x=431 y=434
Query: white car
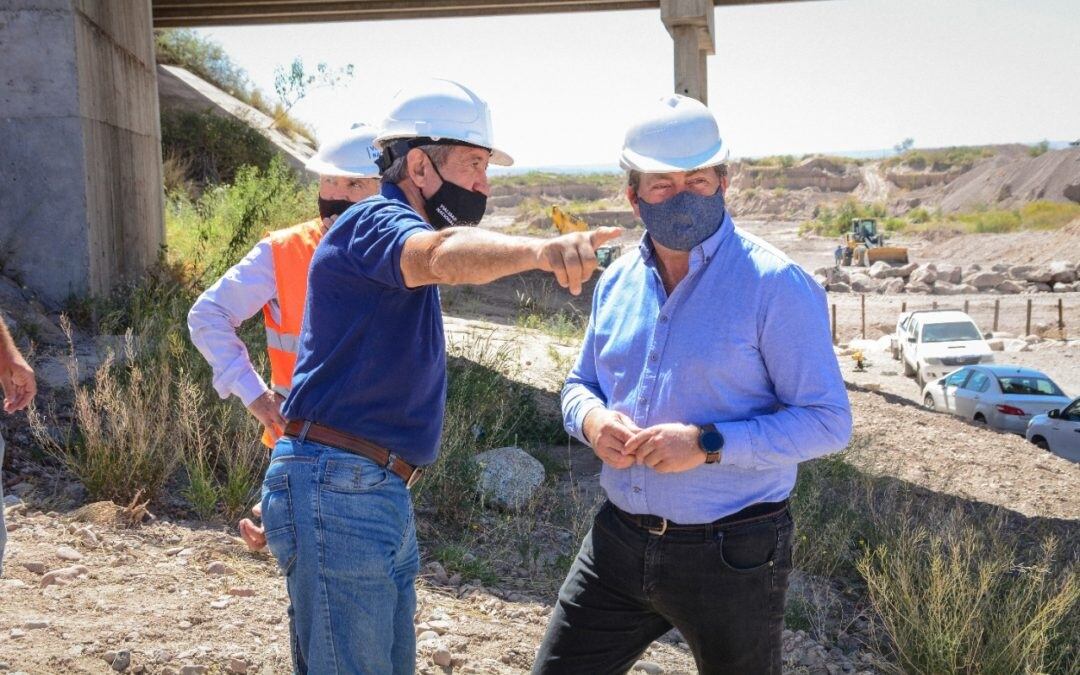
x=1058 y=431
x=933 y=343
x=1000 y=396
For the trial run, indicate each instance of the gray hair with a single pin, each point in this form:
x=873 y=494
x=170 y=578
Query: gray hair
x=399 y=167
x=633 y=177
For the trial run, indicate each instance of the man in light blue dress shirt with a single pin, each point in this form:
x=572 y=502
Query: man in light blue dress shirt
x=706 y=375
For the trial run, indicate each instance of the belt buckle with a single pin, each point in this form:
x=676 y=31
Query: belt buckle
x=413 y=477
x=663 y=528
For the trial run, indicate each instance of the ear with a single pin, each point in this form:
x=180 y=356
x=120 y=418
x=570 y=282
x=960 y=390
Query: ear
x=631 y=196
x=725 y=181
x=418 y=169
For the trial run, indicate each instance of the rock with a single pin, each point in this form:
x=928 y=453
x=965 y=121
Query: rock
x=647 y=667
x=219 y=568
x=906 y=270
x=442 y=657
x=999 y=267
x=1040 y=275
x=1009 y=287
x=122 y=660
x=220 y=604
x=427 y=635
x=839 y=275
x=996 y=345
x=883 y=270
x=893 y=286
x=839 y=287
x=984 y=280
x=1038 y=287
x=917 y=287
x=924 y=275
x=437 y=572
x=34 y=567
x=237 y=666
x=11 y=500
x=242 y=592
x=17 y=633
x=1062 y=272
x=36 y=624
x=945 y=288
x=63 y=575
x=509 y=477
x=68 y=553
x=1062 y=287
x=954 y=274
x=194 y=670
x=861 y=283
x=440 y=626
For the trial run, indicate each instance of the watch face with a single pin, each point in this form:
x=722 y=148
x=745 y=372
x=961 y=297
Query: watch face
x=711 y=440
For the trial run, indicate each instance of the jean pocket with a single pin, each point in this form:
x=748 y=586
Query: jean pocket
x=277 y=517
x=749 y=548
x=352 y=475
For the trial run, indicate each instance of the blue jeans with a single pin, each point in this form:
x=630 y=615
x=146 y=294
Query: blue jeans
x=341 y=528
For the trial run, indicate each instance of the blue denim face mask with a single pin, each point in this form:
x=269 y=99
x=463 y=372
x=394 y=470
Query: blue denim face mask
x=683 y=221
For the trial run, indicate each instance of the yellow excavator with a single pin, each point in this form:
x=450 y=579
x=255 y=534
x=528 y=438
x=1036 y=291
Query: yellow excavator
x=566 y=223
x=865 y=245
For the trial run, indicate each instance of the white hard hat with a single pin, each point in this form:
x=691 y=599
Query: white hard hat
x=352 y=155
x=677 y=133
x=441 y=110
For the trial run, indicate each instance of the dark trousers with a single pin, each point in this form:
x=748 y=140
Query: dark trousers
x=722 y=586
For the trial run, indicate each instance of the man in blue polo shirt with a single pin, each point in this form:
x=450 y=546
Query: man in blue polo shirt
x=368 y=392
x=706 y=375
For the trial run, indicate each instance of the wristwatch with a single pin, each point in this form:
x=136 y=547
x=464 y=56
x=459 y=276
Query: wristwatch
x=711 y=442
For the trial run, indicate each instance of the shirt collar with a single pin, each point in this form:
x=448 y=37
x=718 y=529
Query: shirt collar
x=392 y=191
x=703 y=252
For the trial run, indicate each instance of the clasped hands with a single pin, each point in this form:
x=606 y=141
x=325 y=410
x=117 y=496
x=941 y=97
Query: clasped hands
x=619 y=443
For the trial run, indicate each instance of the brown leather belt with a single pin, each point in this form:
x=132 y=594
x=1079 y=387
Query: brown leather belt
x=304 y=430
x=658 y=526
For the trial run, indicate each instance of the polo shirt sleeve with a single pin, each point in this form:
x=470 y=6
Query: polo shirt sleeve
x=376 y=244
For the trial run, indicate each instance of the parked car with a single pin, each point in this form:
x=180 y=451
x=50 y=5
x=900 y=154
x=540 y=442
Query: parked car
x=1058 y=431
x=932 y=343
x=1001 y=396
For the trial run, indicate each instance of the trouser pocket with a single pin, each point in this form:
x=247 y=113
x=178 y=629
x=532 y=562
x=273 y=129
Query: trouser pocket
x=277 y=517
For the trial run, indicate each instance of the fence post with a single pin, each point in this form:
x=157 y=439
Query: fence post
x=935 y=304
x=1027 y=329
x=834 y=323
x=903 y=306
x=966 y=307
x=997 y=312
x=1061 y=318
x=862 y=298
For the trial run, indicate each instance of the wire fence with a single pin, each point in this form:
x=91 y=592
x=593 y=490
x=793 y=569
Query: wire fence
x=1050 y=318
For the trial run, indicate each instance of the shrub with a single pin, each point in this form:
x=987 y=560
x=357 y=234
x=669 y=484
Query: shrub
x=1047 y=215
x=1039 y=148
x=211 y=147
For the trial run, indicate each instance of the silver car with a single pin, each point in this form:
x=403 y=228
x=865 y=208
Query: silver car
x=1000 y=396
x=1058 y=431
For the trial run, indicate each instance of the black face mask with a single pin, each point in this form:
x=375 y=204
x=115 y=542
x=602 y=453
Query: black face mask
x=333 y=207
x=453 y=205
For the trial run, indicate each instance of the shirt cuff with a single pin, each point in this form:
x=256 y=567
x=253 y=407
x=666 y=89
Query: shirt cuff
x=738 y=447
x=249 y=387
x=578 y=422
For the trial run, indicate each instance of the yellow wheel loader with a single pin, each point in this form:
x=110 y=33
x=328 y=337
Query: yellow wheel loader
x=566 y=223
x=864 y=245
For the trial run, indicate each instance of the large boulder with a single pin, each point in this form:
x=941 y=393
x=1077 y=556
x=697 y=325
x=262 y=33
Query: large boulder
x=918 y=287
x=839 y=287
x=946 y=288
x=1038 y=287
x=1062 y=272
x=951 y=273
x=1061 y=287
x=907 y=269
x=985 y=280
x=861 y=283
x=926 y=274
x=1036 y=274
x=509 y=477
x=1009 y=287
x=839 y=274
x=895 y=285
x=999 y=267
x=884 y=270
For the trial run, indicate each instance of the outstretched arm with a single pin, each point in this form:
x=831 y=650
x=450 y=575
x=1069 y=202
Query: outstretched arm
x=16 y=375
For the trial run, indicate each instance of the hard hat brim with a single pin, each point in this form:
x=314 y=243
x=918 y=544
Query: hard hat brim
x=498 y=157
x=633 y=161
x=322 y=168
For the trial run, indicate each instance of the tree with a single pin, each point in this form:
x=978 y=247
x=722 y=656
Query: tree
x=293 y=83
x=904 y=145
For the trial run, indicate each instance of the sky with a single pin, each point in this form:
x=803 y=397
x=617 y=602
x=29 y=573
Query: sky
x=838 y=75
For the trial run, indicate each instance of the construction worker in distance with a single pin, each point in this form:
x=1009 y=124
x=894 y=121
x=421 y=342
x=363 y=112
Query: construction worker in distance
x=273 y=278
x=336 y=501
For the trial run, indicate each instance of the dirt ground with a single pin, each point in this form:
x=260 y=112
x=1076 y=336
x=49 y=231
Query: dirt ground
x=185 y=597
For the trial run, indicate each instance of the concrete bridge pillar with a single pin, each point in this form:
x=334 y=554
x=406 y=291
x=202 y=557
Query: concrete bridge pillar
x=690 y=23
x=81 y=204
